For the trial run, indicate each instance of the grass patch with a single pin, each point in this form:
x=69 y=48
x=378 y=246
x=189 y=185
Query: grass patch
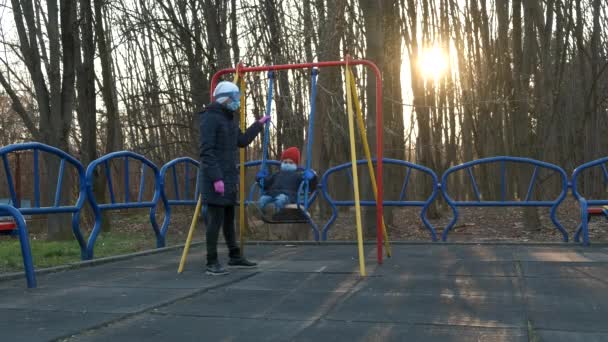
x=55 y=253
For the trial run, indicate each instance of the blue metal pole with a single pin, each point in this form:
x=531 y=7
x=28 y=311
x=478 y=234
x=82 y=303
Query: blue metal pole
x=405 y=183
x=187 y=178
x=311 y=121
x=36 y=180
x=9 y=180
x=109 y=177
x=503 y=181
x=141 y=182
x=59 y=183
x=126 y=179
x=175 y=183
x=267 y=125
x=531 y=185
x=26 y=251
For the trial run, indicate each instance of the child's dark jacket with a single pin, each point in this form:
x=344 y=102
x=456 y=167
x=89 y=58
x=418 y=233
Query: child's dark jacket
x=286 y=182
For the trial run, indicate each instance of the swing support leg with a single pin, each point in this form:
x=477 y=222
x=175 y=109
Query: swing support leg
x=197 y=212
x=368 y=155
x=242 y=173
x=353 y=156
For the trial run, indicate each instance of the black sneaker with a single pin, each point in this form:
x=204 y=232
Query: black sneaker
x=241 y=263
x=216 y=269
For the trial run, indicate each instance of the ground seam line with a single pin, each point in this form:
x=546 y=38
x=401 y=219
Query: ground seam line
x=151 y=308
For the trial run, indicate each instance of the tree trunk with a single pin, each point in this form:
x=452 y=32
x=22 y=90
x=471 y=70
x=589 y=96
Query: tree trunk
x=373 y=11
x=424 y=150
x=383 y=39
x=55 y=103
x=330 y=143
x=114 y=140
x=87 y=116
x=523 y=59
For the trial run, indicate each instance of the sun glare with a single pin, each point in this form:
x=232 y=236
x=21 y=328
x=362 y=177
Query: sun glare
x=433 y=63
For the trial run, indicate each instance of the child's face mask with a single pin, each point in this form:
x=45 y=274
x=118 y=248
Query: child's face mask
x=288 y=166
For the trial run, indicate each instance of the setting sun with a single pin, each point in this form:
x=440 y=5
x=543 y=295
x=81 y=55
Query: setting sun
x=433 y=63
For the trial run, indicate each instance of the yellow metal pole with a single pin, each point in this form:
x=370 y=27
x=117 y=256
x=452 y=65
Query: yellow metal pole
x=242 y=174
x=197 y=211
x=353 y=156
x=368 y=154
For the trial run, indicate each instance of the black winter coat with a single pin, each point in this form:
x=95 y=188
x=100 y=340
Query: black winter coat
x=220 y=138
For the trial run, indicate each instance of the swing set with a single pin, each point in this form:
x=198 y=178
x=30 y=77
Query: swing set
x=298 y=212
x=292 y=213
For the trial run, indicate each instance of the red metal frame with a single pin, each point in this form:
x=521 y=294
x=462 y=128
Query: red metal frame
x=379 y=135
x=18 y=180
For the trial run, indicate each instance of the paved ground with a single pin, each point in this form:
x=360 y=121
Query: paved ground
x=439 y=292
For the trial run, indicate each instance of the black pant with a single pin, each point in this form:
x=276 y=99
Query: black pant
x=216 y=217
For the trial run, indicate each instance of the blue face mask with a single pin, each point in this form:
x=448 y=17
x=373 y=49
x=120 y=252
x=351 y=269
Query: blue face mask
x=288 y=167
x=235 y=96
x=234 y=105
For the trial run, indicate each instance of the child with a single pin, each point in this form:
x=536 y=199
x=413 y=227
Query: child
x=281 y=188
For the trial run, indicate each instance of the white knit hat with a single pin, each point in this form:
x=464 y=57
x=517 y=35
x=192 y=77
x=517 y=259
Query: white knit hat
x=225 y=90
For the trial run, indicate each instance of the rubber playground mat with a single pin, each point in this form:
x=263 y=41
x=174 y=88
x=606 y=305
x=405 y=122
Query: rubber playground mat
x=425 y=292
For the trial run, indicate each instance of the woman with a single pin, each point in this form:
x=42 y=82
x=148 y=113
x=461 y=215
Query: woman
x=220 y=139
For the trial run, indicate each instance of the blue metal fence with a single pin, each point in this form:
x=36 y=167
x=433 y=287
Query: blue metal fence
x=183 y=194
x=35 y=207
x=585 y=203
x=503 y=202
x=128 y=203
x=16 y=211
x=24 y=239
x=188 y=197
x=401 y=202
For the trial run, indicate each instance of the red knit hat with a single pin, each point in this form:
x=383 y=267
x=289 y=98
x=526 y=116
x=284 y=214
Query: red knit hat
x=292 y=153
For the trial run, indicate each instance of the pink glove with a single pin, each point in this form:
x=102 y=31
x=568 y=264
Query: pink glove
x=218 y=186
x=264 y=119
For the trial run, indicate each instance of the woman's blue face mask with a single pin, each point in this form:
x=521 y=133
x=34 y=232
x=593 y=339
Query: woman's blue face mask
x=233 y=105
x=288 y=167
x=235 y=100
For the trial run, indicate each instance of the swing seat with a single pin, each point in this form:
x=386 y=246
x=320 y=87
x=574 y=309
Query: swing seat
x=288 y=215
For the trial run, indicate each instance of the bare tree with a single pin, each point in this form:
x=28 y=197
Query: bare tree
x=330 y=144
x=114 y=140
x=51 y=67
